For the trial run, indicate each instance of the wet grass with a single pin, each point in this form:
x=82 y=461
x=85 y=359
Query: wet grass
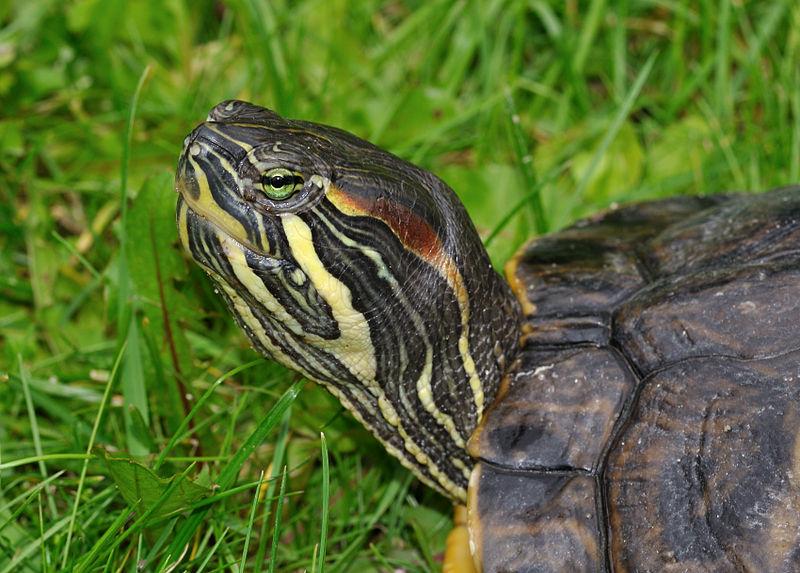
x=536 y=112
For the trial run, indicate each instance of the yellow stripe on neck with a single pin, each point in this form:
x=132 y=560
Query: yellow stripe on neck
x=353 y=348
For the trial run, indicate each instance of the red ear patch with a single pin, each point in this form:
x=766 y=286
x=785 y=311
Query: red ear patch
x=412 y=230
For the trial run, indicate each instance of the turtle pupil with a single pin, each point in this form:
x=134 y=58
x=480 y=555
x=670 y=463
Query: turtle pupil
x=278 y=181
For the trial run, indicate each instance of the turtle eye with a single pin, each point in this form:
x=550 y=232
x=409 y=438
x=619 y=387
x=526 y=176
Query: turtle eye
x=280 y=183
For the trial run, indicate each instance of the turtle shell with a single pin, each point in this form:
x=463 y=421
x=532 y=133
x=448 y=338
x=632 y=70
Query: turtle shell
x=652 y=419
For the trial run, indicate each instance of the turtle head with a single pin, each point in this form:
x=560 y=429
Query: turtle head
x=355 y=268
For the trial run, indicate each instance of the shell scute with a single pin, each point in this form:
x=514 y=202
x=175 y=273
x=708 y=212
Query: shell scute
x=691 y=433
x=558 y=412
x=707 y=471
x=534 y=525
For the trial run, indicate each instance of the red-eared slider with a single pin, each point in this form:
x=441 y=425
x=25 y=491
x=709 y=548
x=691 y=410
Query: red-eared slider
x=631 y=402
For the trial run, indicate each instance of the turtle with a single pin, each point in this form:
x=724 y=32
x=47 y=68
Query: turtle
x=628 y=399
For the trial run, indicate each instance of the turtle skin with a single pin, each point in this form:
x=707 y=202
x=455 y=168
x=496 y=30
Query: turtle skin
x=651 y=421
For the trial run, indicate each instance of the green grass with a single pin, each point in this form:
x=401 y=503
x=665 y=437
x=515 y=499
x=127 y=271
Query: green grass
x=110 y=338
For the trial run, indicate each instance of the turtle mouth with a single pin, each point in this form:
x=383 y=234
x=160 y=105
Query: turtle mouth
x=207 y=240
x=214 y=248
x=207 y=183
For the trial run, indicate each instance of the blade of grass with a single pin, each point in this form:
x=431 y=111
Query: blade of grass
x=269 y=50
x=126 y=145
x=722 y=87
x=123 y=280
x=100 y=410
x=37 y=438
x=112 y=530
x=620 y=48
x=407 y=31
x=794 y=162
x=155 y=548
x=501 y=224
x=179 y=432
x=213 y=551
x=275 y=464
x=389 y=495
x=229 y=473
x=24 y=499
x=250 y=522
x=381 y=559
x=42 y=545
x=724 y=143
x=110 y=560
x=418 y=146
x=699 y=78
x=276 y=529
x=134 y=393
x=768 y=22
x=525 y=165
x=326 y=494
x=594 y=16
x=75 y=253
x=22 y=554
x=51 y=457
x=423 y=542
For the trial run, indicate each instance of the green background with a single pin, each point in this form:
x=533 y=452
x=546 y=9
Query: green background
x=574 y=105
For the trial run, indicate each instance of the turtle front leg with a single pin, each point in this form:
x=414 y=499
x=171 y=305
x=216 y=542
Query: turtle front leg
x=457 y=555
